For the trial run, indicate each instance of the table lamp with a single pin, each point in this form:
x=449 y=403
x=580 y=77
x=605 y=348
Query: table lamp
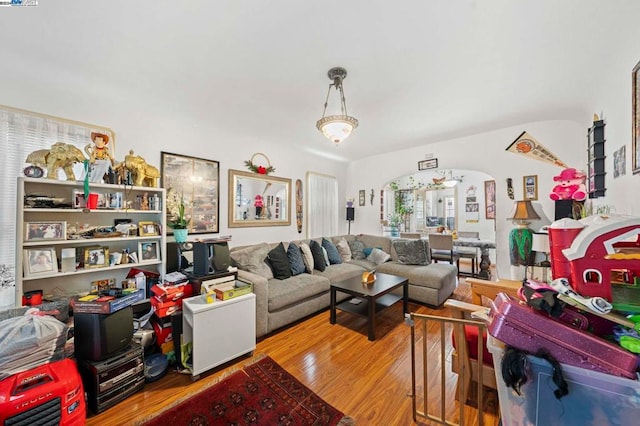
x=521 y=237
x=540 y=244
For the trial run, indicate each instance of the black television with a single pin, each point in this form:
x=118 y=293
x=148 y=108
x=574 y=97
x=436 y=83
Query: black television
x=99 y=336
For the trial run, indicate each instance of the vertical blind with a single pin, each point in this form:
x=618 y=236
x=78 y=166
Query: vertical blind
x=22 y=132
x=322 y=207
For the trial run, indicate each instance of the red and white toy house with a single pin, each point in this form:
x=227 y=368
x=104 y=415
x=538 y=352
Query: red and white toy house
x=603 y=255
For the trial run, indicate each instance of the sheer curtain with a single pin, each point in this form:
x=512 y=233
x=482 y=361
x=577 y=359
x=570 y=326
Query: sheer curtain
x=322 y=205
x=22 y=132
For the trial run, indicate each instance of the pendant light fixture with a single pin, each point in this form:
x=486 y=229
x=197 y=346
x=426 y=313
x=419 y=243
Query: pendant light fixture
x=337 y=127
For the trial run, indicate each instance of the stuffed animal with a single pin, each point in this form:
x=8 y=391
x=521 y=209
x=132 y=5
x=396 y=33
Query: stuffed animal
x=570 y=186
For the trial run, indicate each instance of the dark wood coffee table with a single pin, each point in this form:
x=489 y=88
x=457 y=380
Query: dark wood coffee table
x=374 y=297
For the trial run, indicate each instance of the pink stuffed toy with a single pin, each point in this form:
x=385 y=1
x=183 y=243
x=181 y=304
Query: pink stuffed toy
x=570 y=186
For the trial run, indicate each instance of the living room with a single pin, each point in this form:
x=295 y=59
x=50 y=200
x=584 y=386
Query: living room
x=218 y=80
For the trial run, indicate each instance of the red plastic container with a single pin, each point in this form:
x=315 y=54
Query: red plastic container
x=561 y=234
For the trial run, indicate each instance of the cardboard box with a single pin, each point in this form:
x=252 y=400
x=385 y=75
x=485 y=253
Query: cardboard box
x=163 y=333
x=165 y=308
x=106 y=307
x=167 y=292
x=228 y=291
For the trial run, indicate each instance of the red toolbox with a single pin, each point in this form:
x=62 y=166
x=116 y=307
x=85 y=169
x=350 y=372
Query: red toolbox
x=48 y=394
x=518 y=325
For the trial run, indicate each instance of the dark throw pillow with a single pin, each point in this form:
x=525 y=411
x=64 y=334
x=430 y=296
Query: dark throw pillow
x=412 y=252
x=318 y=256
x=295 y=259
x=332 y=252
x=279 y=262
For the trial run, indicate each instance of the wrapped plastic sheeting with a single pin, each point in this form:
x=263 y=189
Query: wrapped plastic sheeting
x=30 y=340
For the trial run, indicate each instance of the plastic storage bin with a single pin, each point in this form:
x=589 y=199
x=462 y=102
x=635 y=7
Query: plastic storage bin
x=594 y=398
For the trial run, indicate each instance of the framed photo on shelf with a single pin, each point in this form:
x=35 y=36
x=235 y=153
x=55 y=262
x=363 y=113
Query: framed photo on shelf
x=78 y=200
x=635 y=119
x=40 y=261
x=197 y=181
x=45 y=231
x=148 y=250
x=530 y=187
x=147 y=229
x=96 y=257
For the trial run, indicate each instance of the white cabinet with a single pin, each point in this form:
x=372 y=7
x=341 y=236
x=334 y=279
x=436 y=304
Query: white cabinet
x=219 y=331
x=51 y=279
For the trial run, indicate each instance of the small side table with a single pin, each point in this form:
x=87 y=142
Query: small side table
x=490 y=289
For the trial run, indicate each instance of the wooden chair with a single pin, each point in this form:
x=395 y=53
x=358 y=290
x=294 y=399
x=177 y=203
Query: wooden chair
x=441 y=246
x=470 y=352
x=468 y=252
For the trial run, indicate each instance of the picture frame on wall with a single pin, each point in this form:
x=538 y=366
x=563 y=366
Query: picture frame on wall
x=530 y=187
x=361 y=198
x=635 y=119
x=197 y=181
x=490 y=199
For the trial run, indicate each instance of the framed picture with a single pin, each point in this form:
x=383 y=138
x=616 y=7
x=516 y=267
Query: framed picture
x=148 y=250
x=530 y=186
x=78 y=201
x=490 y=199
x=40 y=261
x=146 y=229
x=635 y=119
x=428 y=164
x=96 y=257
x=45 y=231
x=361 y=197
x=197 y=181
x=619 y=160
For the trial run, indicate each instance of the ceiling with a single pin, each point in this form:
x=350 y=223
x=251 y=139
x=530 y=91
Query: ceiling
x=419 y=71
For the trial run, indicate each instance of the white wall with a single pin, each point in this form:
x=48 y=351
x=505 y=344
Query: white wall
x=485 y=153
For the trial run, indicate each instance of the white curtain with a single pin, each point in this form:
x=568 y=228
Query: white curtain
x=322 y=205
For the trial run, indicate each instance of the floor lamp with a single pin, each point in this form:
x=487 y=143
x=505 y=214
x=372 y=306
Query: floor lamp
x=521 y=237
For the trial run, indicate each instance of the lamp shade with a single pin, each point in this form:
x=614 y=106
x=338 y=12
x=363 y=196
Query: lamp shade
x=337 y=128
x=523 y=212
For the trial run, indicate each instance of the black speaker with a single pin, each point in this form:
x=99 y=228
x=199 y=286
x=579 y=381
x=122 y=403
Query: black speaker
x=210 y=257
x=564 y=208
x=351 y=213
x=176 y=332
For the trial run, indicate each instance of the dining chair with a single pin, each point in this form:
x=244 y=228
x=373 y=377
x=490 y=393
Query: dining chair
x=468 y=252
x=411 y=235
x=441 y=246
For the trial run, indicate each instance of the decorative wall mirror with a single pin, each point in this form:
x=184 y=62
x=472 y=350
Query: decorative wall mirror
x=258 y=200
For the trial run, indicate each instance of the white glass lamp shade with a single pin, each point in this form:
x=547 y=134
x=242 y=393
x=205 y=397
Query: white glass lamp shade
x=337 y=128
x=540 y=242
x=450 y=183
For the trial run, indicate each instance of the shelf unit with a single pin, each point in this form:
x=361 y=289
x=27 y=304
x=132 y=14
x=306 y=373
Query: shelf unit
x=595 y=145
x=70 y=283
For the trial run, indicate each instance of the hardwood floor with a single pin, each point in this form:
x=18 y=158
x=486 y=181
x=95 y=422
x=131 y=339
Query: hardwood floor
x=369 y=381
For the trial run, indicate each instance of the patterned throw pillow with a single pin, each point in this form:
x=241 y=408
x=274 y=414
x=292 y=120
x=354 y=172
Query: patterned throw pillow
x=295 y=259
x=279 y=262
x=318 y=256
x=378 y=256
x=412 y=252
x=307 y=257
x=357 y=247
x=332 y=252
x=344 y=250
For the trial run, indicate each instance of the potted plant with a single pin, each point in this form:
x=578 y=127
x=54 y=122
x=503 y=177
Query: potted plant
x=179 y=223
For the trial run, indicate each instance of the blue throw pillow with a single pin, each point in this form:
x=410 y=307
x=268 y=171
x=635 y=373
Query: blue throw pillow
x=332 y=252
x=295 y=259
x=279 y=262
x=318 y=257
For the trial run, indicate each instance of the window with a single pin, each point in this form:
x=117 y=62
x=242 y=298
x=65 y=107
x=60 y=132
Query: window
x=322 y=205
x=22 y=132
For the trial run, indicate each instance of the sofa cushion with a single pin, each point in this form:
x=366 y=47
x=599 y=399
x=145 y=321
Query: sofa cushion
x=253 y=259
x=279 y=262
x=318 y=256
x=294 y=290
x=340 y=272
x=332 y=251
x=307 y=257
x=295 y=259
x=412 y=252
x=357 y=247
x=378 y=256
x=344 y=250
x=434 y=275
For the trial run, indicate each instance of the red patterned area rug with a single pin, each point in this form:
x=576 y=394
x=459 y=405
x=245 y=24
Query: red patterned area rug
x=262 y=393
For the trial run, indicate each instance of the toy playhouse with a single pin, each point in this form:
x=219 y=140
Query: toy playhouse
x=600 y=255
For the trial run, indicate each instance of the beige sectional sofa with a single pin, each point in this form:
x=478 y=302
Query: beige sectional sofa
x=280 y=302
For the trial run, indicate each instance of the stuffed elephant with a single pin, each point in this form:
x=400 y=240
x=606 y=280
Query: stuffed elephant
x=60 y=156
